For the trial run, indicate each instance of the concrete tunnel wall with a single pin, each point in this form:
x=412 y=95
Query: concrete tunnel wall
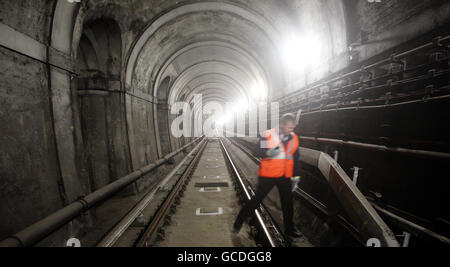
x=47 y=136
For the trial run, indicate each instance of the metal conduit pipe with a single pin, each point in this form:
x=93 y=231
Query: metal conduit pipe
x=387 y=86
x=398 y=219
x=405 y=151
x=437 y=42
x=43 y=228
x=414 y=227
x=308 y=198
x=363 y=216
x=123 y=225
x=363 y=88
x=354 y=107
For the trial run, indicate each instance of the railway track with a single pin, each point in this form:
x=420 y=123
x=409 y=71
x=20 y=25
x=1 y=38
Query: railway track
x=402 y=224
x=198 y=203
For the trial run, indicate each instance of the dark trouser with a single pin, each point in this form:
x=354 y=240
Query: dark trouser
x=265 y=185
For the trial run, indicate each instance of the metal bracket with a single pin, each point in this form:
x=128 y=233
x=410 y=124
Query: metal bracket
x=356 y=174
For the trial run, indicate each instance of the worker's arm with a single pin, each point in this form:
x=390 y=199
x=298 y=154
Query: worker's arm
x=258 y=151
x=261 y=152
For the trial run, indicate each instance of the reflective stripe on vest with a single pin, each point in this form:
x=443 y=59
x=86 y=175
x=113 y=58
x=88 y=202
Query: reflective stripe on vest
x=281 y=164
x=277 y=143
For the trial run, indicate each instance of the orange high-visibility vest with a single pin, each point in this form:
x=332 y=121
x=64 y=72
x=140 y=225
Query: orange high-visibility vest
x=281 y=165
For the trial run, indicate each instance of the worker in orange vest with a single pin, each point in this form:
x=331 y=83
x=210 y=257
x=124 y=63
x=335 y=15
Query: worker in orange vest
x=279 y=167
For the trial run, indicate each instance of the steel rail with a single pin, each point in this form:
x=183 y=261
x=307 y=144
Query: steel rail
x=163 y=211
x=391 y=216
x=309 y=199
x=43 y=228
x=360 y=211
x=117 y=232
x=247 y=194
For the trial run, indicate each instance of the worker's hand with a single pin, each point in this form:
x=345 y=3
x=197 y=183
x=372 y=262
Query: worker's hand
x=295 y=181
x=273 y=152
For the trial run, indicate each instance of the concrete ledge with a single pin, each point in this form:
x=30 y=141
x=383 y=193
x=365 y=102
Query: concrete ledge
x=24 y=44
x=61 y=60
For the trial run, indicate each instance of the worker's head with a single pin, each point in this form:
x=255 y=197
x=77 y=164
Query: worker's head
x=288 y=123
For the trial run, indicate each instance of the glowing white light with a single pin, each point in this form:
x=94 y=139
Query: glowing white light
x=220 y=122
x=300 y=52
x=224 y=120
x=241 y=106
x=258 y=92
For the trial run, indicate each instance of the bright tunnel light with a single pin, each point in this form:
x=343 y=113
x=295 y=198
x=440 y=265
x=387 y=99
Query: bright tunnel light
x=300 y=52
x=224 y=120
x=258 y=92
x=241 y=106
x=238 y=107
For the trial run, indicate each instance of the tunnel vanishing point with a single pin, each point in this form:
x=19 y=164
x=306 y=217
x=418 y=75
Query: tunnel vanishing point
x=89 y=92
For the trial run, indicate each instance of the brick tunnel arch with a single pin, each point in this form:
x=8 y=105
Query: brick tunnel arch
x=100 y=104
x=89 y=130
x=162 y=113
x=144 y=71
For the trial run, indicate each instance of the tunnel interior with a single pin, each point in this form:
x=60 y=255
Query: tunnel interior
x=92 y=92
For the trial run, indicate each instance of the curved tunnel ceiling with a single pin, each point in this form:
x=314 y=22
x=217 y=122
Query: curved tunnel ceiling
x=213 y=57
x=223 y=51
x=199 y=73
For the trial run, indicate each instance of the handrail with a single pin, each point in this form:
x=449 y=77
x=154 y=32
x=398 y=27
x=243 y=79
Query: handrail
x=43 y=228
x=360 y=211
